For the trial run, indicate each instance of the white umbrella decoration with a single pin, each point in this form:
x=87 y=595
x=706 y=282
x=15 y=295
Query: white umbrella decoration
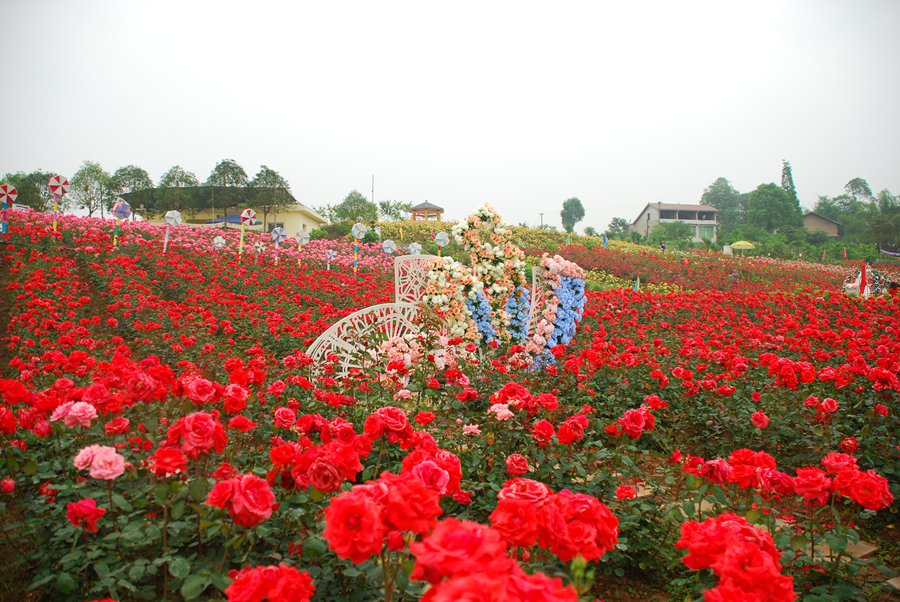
x=441 y=239
x=330 y=255
x=122 y=210
x=258 y=247
x=415 y=248
x=302 y=238
x=359 y=230
x=248 y=216
x=173 y=218
x=278 y=235
x=389 y=247
x=218 y=243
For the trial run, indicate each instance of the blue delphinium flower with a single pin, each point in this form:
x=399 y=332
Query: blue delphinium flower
x=517 y=307
x=480 y=310
x=569 y=312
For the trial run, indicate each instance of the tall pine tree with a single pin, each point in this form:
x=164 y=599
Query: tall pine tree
x=787 y=180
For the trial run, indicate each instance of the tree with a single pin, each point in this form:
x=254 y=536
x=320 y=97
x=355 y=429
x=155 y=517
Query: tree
x=572 y=213
x=227 y=173
x=178 y=177
x=326 y=211
x=787 y=181
x=676 y=234
x=619 y=227
x=356 y=207
x=722 y=195
x=32 y=189
x=271 y=191
x=771 y=207
x=857 y=187
x=90 y=188
x=130 y=178
x=393 y=210
x=591 y=231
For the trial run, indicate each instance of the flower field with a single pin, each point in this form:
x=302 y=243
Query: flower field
x=165 y=436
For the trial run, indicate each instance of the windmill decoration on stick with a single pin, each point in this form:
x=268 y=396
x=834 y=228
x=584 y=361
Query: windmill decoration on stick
x=173 y=218
x=302 y=238
x=415 y=248
x=122 y=210
x=218 y=243
x=278 y=236
x=8 y=194
x=248 y=217
x=330 y=255
x=59 y=187
x=442 y=239
x=389 y=247
x=359 y=230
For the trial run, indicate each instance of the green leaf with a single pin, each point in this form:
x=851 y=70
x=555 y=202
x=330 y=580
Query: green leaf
x=30 y=467
x=193 y=586
x=120 y=502
x=221 y=581
x=179 y=567
x=838 y=543
x=65 y=583
x=798 y=542
x=753 y=516
x=178 y=510
x=137 y=571
x=314 y=547
x=199 y=489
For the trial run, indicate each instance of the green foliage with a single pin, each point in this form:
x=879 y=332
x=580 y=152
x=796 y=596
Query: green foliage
x=619 y=227
x=771 y=206
x=356 y=208
x=393 y=210
x=129 y=179
x=270 y=191
x=731 y=205
x=572 y=213
x=591 y=231
x=90 y=188
x=227 y=173
x=787 y=181
x=858 y=187
x=675 y=234
x=178 y=177
x=32 y=189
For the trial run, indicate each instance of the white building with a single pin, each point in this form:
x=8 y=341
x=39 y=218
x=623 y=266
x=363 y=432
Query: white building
x=702 y=218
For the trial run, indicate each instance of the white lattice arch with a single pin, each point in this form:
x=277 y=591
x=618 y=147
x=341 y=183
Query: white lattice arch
x=410 y=274
x=349 y=339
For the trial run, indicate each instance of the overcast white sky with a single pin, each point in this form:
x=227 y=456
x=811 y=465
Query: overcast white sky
x=521 y=104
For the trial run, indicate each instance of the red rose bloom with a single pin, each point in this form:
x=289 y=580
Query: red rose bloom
x=813 y=485
x=458 y=548
x=167 y=461
x=280 y=583
x=247 y=497
x=516 y=465
x=85 y=514
x=353 y=526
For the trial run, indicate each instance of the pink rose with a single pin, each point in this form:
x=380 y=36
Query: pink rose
x=200 y=391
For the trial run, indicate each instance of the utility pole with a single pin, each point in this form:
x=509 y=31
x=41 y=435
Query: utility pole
x=373 y=189
x=542 y=220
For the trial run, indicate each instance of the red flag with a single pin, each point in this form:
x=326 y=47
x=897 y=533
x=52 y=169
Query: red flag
x=845 y=252
x=862 y=281
x=823 y=254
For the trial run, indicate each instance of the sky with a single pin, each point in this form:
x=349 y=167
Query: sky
x=519 y=104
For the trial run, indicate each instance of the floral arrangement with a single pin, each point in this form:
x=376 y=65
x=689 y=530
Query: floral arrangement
x=488 y=298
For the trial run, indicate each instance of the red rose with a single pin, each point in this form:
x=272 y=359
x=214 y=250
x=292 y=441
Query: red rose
x=167 y=461
x=624 y=492
x=458 y=548
x=198 y=432
x=870 y=490
x=526 y=490
x=425 y=418
x=285 y=418
x=270 y=582
x=200 y=391
x=542 y=432
x=409 y=505
x=116 y=426
x=518 y=521
x=849 y=445
x=516 y=465
x=813 y=485
x=85 y=514
x=353 y=526
x=323 y=475
x=837 y=462
x=760 y=420
x=247 y=497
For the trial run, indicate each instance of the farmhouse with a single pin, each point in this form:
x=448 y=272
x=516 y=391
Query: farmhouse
x=813 y=222
x=701 y=217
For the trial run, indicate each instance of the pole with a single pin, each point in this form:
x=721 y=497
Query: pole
x=276 y=251
x=166 y=239
x=373 y=189
x=55 y=209
x=355 y=254
x=241 y=244
x=3 y=225
x=542 y=219
x=299 y=248
x=116 y=233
